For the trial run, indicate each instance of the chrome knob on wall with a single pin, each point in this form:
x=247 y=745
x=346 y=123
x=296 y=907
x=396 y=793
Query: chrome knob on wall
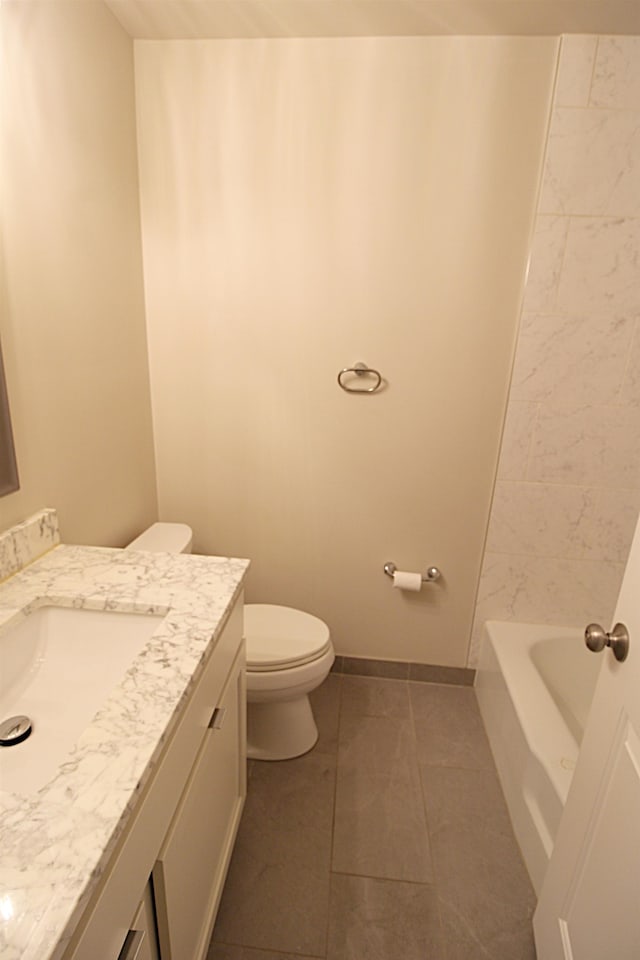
x=597 y=639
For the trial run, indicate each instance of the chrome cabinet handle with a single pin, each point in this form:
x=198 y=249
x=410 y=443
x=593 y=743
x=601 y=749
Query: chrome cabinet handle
x=596 y=638
x=132 y=945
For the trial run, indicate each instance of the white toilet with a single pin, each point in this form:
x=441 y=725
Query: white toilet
x=289 y=653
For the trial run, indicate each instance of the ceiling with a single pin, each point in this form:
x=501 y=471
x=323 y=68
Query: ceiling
x=215 y=19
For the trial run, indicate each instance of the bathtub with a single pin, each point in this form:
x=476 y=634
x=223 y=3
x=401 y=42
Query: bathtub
x=534 y=686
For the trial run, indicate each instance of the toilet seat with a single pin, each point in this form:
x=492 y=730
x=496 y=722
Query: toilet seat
x=282 y=638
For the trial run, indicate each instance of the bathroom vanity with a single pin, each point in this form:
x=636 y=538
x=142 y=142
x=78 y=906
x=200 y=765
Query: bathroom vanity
x=123 y=851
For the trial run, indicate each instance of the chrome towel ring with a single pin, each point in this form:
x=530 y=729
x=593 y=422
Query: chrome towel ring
x=360 y=370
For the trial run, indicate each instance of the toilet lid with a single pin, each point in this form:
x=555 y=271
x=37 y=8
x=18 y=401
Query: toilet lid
x=164 y=538
x=278 y=637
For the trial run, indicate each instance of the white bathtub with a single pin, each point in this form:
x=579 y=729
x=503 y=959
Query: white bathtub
x=534 y=686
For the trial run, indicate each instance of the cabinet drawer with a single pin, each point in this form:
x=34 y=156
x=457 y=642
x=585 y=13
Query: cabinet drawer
x=104 y=926
x=192 y=865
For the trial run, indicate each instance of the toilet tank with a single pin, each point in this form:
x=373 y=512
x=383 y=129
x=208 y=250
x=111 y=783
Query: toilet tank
x=164 y=538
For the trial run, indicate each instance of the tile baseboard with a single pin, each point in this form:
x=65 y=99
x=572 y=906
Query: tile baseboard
x=400 y=670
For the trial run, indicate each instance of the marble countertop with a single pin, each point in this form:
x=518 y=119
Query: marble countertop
x=54 y=844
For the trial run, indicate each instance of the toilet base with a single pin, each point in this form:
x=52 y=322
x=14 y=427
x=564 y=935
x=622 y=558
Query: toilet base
x=281 y=729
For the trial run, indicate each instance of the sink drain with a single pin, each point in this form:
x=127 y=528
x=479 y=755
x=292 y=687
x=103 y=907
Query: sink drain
x=14 y=730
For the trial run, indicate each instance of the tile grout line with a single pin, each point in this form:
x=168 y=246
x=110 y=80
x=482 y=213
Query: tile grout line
x=379 y=879
x=443 y=939
x=268 y=952
x=333 y=814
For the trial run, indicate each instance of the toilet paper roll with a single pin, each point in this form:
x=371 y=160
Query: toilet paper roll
x=404 y=580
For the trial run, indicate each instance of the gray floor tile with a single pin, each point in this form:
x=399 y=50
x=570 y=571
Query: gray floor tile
x=383 y=920
x=388 y=751
x=376 y=744
x=222 y=951
x=379 y=828
x=373 y=697
x=462 y=941
x=448 y=727
x=485 y=893
x=277 y=892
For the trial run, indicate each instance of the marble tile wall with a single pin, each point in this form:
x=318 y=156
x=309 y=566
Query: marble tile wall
x=568 y=487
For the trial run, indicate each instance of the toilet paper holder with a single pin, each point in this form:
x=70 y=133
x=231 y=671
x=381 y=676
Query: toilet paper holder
x=430 y=576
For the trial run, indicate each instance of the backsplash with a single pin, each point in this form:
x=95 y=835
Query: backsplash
x=568 y=486
x=24 y=543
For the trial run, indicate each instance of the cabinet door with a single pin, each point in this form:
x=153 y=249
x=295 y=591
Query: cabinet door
x=190 y=871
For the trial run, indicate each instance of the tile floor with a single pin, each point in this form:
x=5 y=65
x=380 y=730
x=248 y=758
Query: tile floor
x=389 y=841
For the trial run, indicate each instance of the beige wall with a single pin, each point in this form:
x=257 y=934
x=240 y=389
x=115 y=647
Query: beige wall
x=72 y=326
x=568 y=488
x=311 y=203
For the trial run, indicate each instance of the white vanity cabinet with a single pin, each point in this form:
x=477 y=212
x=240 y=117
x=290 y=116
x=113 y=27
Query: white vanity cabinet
x=178 y=841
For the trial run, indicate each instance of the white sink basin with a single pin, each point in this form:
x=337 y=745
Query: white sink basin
x=58 y=666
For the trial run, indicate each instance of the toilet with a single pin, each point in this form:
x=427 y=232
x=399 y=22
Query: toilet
x=289 y=654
